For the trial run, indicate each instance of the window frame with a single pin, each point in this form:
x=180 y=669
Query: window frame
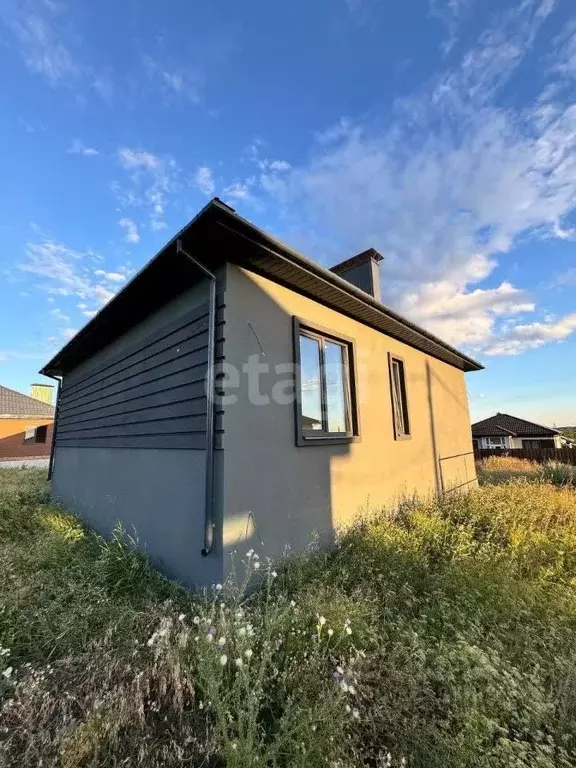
x=502 y=445
x=405 y=403
x=316 y=437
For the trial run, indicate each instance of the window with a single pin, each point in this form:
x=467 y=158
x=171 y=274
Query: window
x=40 y=436
x=495 y=442
x=36 y=434
x=325 y=402
x=400 y=415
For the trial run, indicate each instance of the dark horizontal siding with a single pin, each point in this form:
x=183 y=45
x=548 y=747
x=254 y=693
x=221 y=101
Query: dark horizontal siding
x=149 y=395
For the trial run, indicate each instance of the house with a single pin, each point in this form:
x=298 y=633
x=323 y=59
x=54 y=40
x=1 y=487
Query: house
x=506 y=432
x=325 y=402
x=26 y=422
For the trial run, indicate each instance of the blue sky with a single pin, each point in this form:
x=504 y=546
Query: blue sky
x=441 y=132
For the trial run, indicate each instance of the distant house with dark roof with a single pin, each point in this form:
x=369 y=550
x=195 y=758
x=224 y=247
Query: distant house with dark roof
x=26 y=422
x=508 y=432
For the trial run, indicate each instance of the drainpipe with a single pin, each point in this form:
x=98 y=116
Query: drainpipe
x=55 y=426
x=209 y=490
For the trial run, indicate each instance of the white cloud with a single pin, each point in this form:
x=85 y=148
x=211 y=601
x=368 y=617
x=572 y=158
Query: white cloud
x=204 y=180
x=443 y=188
x=40 y=36
x=176 y=81
x=115 y=277
x=152 y=180
x=49 y=44
x=450 y=13
x=464 y=317
x=279 y=165
x=132 y=235
x=138 y=158
x=68 y=333
x=78 y=148
x=237 y=191
x=532 y=335
x=64 y=271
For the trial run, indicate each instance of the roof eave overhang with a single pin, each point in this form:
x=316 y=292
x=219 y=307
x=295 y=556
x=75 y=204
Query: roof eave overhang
x=256 y=250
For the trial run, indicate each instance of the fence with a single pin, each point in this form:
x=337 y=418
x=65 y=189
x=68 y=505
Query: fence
x=540 y=455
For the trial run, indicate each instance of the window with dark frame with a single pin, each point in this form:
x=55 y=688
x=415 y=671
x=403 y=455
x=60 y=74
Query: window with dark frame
x=400 y=416
x=326 y=408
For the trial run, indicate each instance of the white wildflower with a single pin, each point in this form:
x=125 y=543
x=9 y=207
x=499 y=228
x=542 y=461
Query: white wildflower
x=248 y=653
x=292 y=604
x=330 y=632
x=221 y=641
x=218 y=587
x=352 y=690
x=348 y=630
x=182 y=617
x=256 y=564
x=355 y=714
x=348 y=708
x=239 y=662
x=234 y=745
x=273 y=574
x=242 y=631
x=8 y=672
x=196 y=620
x=223 y=659
x=321 y=620
x=209 y=637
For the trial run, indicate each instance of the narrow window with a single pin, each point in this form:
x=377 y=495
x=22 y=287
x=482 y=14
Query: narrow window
x=399 y=398
x=325 y=407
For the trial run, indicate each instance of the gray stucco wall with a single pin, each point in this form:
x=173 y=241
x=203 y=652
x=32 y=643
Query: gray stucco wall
x=160 y=493
x=130 y=443
x=277 y=495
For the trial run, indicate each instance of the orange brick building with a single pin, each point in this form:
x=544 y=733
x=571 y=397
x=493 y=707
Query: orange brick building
x=26 y=422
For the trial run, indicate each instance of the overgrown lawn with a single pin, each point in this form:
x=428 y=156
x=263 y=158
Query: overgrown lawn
x=442 y=635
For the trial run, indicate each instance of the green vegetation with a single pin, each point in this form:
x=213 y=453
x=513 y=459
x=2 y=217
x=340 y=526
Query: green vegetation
x=440 y=636
x=503 y=469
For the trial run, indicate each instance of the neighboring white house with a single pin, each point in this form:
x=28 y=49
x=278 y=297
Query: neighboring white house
x=507 y=432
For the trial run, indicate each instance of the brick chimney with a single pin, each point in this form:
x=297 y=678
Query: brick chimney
x=363 y=271
x=42 y=392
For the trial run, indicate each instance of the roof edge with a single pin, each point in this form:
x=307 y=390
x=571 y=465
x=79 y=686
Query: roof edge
x=327 y=274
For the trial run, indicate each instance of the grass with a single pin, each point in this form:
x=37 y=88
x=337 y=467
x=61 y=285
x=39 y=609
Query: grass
x=440 y=636
x=502 y=469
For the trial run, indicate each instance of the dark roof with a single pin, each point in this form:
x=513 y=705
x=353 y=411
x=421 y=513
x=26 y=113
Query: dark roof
x=217 y=234
x=15 y=405
x=504 y=424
